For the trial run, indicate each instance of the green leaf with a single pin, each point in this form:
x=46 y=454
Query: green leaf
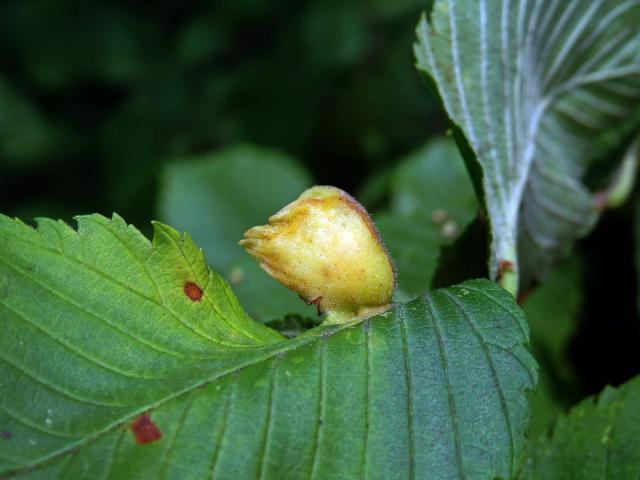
x=533 y=87
x=599 y=439
x=216 y=198
x=434 y=183
x=432 y=202
x=97 y=329
x=552 y=313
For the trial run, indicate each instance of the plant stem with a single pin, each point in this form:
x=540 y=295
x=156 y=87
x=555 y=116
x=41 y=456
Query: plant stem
x=509 y=281
x=507 y=274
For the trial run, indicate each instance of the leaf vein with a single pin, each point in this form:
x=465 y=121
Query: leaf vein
x=114 y=454
x=525 y=335
x=33 y=425
x=269 y=422
x=69 y=347
x=322 y=370
x=496 y=380
x=218 y=444
x=407 y=372
x=447 y=380
x=366 y=326
x=67 y=300
x=172 y=446
x=53 y=389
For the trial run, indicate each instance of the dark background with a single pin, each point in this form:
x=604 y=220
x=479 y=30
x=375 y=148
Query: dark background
x=96 y=96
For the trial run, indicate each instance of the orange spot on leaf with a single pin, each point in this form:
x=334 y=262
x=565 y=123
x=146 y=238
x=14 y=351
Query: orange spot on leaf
x=144 y=430
x=193 y=291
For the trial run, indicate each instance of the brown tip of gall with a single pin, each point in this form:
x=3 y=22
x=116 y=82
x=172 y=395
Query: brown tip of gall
x=193 y=291
x=144 y=430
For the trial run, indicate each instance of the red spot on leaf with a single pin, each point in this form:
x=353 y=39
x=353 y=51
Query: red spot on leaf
x=144 y=430
x=193 y=291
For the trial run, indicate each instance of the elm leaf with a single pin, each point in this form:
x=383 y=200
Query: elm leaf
x=533 y=89
x=127 y=358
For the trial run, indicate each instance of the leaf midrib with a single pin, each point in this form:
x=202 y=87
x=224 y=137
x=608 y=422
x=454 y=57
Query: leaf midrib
x=300 y=342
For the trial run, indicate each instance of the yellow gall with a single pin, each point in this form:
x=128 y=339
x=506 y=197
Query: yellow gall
x=325 y=247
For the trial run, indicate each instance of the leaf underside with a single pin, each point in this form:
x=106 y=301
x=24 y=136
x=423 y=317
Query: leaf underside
x=533 y=85
x=98 y=327
x=599 y=439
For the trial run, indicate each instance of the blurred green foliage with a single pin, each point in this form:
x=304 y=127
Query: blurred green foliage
x=432 y=203
x=96 y=96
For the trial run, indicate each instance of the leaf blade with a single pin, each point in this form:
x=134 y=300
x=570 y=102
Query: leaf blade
x=335 y=402
x=597 y=439
x=505 y=78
